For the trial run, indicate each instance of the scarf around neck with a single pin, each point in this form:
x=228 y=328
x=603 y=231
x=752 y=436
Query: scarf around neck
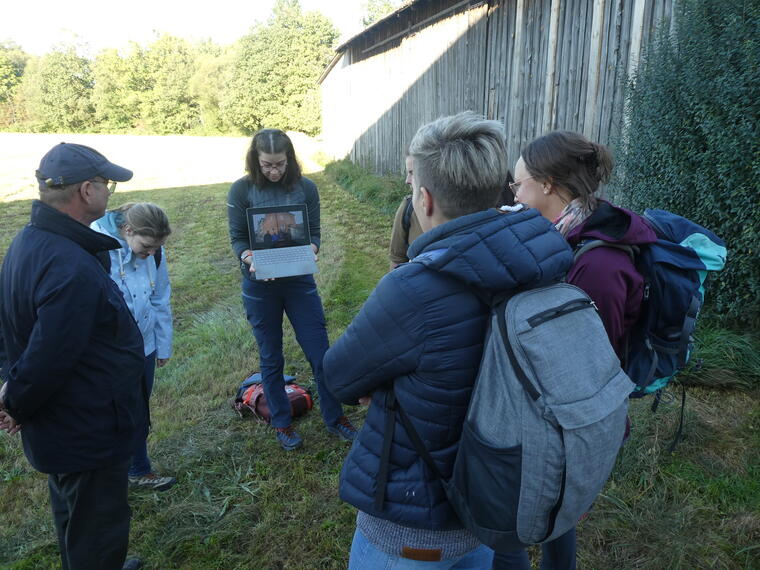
x=571 y=216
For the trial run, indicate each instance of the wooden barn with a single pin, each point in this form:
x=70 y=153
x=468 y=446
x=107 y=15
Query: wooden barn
x=535 y=65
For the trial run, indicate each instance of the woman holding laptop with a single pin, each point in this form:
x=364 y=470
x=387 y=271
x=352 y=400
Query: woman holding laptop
x=274 y=179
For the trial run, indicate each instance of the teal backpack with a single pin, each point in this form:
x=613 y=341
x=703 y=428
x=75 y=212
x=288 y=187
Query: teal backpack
x=674 y=268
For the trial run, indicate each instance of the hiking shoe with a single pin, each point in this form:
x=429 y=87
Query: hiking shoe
x=132 y=564
x=152 y=481
x=288 y=438
x=343 y=428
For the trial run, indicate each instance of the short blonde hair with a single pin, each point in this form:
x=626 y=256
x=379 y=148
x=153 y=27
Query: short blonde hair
x=462 y=161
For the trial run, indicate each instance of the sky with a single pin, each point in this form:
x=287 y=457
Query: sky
x=38 y=25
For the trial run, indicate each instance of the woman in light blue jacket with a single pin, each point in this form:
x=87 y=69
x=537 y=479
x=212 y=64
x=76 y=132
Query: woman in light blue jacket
x=139 y=269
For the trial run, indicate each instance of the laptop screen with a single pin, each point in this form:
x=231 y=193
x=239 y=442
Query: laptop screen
x=278 y=226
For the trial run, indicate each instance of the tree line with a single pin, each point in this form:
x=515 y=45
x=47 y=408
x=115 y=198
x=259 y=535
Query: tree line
x=268 y=78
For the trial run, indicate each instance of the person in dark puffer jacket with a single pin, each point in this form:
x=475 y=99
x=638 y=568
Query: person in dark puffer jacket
x=421 y=334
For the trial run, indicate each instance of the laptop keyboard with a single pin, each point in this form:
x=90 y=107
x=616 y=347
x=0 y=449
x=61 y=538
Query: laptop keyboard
x=284 y=255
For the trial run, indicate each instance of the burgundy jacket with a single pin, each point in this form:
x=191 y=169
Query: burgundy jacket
x=607 y=274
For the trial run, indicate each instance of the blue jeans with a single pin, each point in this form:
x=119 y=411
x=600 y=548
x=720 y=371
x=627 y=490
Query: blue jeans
x=140 y=461
x=265 y=302
x=559 y=554
x=365 y=556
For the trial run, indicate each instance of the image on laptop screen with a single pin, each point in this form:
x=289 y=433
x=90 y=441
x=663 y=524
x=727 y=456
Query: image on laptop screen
x=279 y=229
x=280 y=241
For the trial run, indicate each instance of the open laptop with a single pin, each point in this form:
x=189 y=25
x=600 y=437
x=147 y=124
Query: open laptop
x=280 y=241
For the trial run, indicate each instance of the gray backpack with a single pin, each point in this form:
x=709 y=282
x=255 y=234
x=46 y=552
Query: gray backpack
x=545 y=422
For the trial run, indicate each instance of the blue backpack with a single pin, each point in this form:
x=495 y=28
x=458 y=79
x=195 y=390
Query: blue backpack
x=674 y=269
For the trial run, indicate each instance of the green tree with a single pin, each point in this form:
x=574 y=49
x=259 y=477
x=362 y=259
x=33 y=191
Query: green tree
x=377 y=10
x=207 y=86
x=13 y=61
x=163 y=73
x=116 y=101
x=274 y=71
x=692 y=144
x=56 y=92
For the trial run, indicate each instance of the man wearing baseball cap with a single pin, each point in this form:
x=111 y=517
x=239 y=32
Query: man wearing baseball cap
x=71 y=357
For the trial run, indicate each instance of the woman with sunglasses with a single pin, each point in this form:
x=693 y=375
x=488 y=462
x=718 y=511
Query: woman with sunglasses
x=139 y=269
x=559 y=174
x=274 y=179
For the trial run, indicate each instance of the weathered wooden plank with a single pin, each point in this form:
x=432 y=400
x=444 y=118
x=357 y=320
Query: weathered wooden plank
x=551 y=67
x=621 y=74
x=517 y=79
x=610 y=49
x=533 y=103
x=579 y=69
x=592 y=90
x=563 y=79
x=517 y=71
x=637 y=35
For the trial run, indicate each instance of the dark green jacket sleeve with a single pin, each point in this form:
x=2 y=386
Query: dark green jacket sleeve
x=237 y=202
x=312 y=207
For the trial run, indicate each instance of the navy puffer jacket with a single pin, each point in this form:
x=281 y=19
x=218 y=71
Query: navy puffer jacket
x=422 y=331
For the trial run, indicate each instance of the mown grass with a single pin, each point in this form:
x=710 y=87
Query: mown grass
x=382 y=192
x=243 y=503
x=724 y=358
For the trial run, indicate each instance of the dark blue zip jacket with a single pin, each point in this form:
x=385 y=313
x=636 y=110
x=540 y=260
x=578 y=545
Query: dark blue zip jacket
x=422 y=331
x=69 y=348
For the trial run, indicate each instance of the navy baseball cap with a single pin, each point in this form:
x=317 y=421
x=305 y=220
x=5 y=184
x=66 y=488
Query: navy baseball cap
x=68 y=163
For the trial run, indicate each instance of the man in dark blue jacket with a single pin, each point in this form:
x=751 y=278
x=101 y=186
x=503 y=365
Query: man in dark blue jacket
x=72 y=359
x=421 y=334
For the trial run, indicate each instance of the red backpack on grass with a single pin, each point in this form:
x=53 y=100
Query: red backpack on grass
x=250 y=399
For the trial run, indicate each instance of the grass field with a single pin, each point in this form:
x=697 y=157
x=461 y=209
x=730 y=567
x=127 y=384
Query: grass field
x=243 y=503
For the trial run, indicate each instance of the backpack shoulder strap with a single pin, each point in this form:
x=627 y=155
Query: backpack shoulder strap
x=585 y=246
x=501 y=310
x=406 y=221
x=385 y=455
x=419 y=445
x=392 y=408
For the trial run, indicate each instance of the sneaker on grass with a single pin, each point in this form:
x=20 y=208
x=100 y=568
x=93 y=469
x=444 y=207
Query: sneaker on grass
x=343 y=428
x=288 y=438
x=132 y=564
x=152 y=481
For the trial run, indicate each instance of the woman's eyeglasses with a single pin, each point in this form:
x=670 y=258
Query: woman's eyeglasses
x=278 y=166
x=515 y=186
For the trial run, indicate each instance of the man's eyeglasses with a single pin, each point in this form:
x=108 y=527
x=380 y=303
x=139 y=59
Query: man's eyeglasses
x=278 y=166
x=515 y=186
x=110 y=186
